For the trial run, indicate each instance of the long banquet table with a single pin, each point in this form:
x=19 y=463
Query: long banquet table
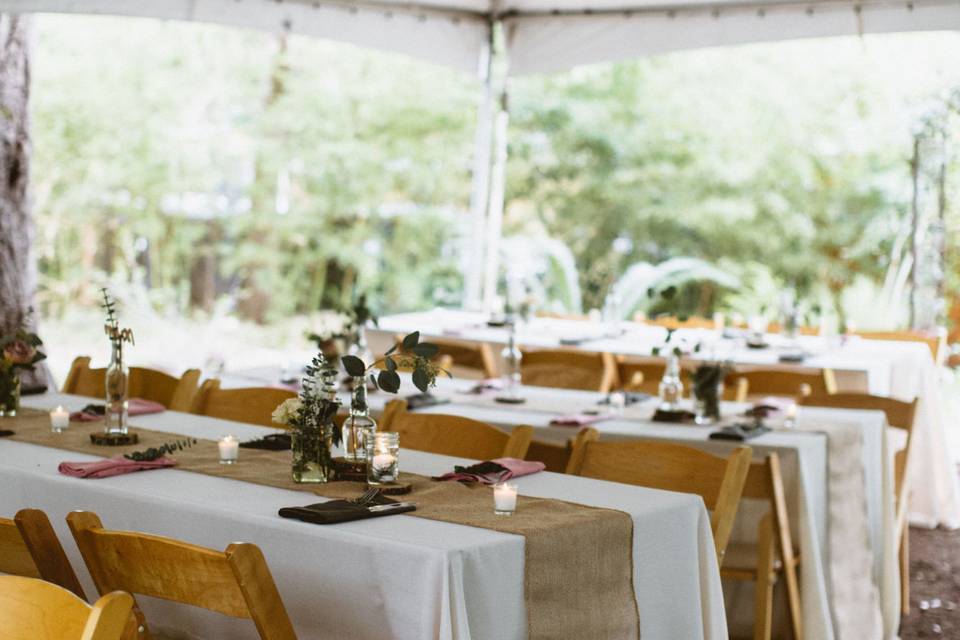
x=903 y=370
x=396 y=577
x=847 y=593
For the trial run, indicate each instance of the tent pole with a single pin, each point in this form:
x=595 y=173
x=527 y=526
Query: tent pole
x=497 y=183
x=480 y=189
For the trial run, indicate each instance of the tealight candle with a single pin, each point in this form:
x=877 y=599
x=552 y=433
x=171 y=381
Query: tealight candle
x=229 y=449
x=504 y=499
x=383 y=454
x=790 y=417
x=59 y=419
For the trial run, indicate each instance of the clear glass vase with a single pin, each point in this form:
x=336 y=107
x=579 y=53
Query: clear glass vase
x=359 y=427
x=512 y=359
x=671 y=387
x=117 y=392
x=9 y=394
x=312 y=461
x=706 y=404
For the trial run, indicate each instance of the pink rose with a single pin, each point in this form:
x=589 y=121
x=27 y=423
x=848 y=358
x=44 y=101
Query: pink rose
x=19 y=352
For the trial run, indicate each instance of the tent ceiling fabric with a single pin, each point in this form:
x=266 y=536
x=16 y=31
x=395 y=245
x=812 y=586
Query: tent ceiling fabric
x=542 y=35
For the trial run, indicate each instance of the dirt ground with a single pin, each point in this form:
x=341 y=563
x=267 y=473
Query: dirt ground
x=934 y=586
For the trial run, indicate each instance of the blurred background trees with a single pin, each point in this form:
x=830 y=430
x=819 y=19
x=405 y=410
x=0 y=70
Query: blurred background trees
x=219 y=171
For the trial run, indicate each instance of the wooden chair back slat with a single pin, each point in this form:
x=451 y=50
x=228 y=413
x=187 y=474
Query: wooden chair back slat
x=899 y=414
x=673 y=322
x=645 y=376
x=29 y=547
x=250 y=405
x=235 y=582
x=936 y=342
x=33 y=609
x=465 y=354
x=569 y=369
x=176 y=394
x=672 y=467
x=457 y=436
x=777 y=382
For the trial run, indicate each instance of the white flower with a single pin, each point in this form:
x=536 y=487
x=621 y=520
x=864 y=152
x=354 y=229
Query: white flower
x=332 y=324
x=286 y=413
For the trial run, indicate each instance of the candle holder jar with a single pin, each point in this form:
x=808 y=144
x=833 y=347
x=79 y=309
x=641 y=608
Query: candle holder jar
x=9 y=394
x=383 y=458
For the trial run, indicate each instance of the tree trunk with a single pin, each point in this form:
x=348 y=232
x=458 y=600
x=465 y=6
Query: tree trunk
x=17 y=269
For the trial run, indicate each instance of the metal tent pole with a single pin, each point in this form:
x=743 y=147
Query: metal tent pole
x=498 y=171
x=480 y=190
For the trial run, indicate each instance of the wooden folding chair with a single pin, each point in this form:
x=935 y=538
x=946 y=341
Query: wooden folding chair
x=772 y=555
x=777 y=382
x=32 y=609
x=673 y=322
x=176 y=394
x=235 y=582
x=673 y=467
x=556 y=456
x=455 y=435
x=465 y=357
x=900 y=415
x=644 y=376
x=251 y=405
x=569 y=369
x=29 y=548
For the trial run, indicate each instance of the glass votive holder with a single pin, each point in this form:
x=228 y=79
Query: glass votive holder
x=504 y=498
x=59 y=420
x=790 y=417
x=383 y=458
x=229 y=449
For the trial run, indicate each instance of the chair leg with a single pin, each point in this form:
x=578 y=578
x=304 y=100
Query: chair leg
x=905 y=570
x=763 y=590
x=793 y=600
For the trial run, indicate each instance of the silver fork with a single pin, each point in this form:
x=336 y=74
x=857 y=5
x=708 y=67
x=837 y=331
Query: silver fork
x=368 y=496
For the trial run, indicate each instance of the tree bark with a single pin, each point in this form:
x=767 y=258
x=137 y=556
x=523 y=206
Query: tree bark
x=17 y=269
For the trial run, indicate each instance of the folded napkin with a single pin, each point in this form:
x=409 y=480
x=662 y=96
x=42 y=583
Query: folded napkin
x=490 y=384
x=33 y=389
x=135 y=407
x=272 y=442
x=572 y=341
x=111 y=467
x=6 y=432
x=579 y=419
x=336 y=511
x=739 y=432
x=680 y=415
x=494 y=471
x=421 y=400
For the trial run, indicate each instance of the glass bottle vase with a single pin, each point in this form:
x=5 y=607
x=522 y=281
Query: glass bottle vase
x=671 y=387
x=312 y=461
x=359 y=427
x=9 y=394
x=512 y=358
x=117 y=386
x=706 y=404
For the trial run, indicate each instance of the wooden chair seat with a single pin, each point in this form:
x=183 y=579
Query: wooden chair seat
x=455 y=435
x=569 y=369
x=672 y=467
x=176 y=394
x=235 y=582
x=33 y=609
x=251 y=405
x=29 y=548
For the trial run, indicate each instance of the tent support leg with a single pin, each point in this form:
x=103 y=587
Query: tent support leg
x=491 y=264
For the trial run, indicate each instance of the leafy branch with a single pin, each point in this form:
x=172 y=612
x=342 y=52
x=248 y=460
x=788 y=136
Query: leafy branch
x=154 y=453
x=112 y=326
x=409 y=354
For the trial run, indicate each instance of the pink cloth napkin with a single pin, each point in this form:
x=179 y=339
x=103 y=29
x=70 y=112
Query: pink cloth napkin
x=490 y=384
x=135 y=407
x=579 y=419
x=514 y=469
x=111 y=467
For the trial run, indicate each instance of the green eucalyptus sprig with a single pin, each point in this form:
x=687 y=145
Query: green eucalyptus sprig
x=410 y=354
x=154 y=453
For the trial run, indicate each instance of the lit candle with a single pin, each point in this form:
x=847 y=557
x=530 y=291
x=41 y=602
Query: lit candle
x=790 y=418
x=504 y=499
x=229 y=449
x=384 y=460
x=59 y=419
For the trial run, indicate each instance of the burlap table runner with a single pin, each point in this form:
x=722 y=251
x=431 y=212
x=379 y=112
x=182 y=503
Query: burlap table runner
x=578 y=571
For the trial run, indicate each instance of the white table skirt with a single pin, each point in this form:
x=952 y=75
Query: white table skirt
x=903 y=370
x=397 y=577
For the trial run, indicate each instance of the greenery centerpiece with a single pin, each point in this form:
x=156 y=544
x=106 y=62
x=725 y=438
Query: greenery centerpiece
x=673 y=347
x=310 y=418
x=117 y=383
x=409 y=355
x=331 y=332
x=19 y=351
x=708 y=390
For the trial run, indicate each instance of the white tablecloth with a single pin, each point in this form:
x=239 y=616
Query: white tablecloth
x=397 y=577
x=904 y=370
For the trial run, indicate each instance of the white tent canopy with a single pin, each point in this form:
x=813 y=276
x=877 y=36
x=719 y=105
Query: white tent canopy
x=542 y=35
